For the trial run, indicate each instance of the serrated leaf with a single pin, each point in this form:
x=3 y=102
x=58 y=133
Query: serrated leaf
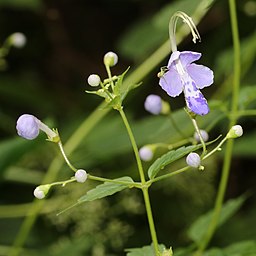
x=168 y=158
x=144 y=251
x=105 y=189
x=199 y=228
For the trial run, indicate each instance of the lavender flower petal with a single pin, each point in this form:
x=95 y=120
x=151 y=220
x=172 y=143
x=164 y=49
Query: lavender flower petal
x=187 y=57
x=202 y=75
x=171 y=83
x=195 y=100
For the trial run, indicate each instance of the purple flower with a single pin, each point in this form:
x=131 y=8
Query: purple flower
x=184 y=75
x=153 y=104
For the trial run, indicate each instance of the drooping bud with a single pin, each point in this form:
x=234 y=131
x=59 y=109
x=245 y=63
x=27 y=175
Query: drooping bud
x=28 y=127
x=81 y=175
x=153 y=104
x=41 y=191
x=93 y=80
x=235 y=132
x=110 y=59
x=204 y=135
x=193 y=160
x=146 y=153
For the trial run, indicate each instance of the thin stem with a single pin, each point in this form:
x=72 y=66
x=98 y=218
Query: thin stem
x=143 y=183
x=200 y=136
x=65 y=157
x=232 y=120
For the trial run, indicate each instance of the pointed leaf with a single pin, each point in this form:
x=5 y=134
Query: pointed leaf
x=144 y=251
x=199 y=228
x=168 y=158
x=105 y=189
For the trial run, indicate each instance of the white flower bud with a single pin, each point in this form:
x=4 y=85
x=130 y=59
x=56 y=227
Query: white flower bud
x=146 y=153
x=153 y=104
x=81 y=176
x=193 y=160
x=41 y=191
x=93 y=80
x=204 y=135
x=18 y=39
x=110 y=59
x=235 y=132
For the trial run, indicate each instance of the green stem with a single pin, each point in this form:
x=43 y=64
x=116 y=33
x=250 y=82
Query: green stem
x=232 y=120
x=143 y=183
x=65 y=157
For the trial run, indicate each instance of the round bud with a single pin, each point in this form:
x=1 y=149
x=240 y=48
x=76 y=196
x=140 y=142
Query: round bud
x=146 y=153
x=235 y=132
x=27 y=126
x=18 y=40
x=153 y=104
x=41 y=191
x=81 y=176
x=93 y=80
x=193 y=160
x=110 y=59
x=204 y=135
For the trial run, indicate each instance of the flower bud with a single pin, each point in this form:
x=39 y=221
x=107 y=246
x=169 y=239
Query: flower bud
x=41 y=191
x=193 y=160
x=146 y=153
x=27 y=127
x=235 y=132
x=18 y=40
x=204 y=135
x=110 y=59
x=81 y=176
x=153 y=104
x=93 y=80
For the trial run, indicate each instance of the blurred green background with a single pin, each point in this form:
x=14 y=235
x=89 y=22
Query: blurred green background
x=66 y=41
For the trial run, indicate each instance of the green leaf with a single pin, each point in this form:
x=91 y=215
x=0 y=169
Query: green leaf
x=105 y=189
x=244 y=248
x=168 y=158
x=199 y=228
x=144 y=251
x=22 y=4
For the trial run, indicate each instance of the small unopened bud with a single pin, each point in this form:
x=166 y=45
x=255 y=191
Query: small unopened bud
x=28 y=127
x=204 y=135
x=81 y=176
x=93 y=80
x=193 y=160
x=235 y=132
x=18 y=40
x=153 y=104
x=41 y=191
x=110 y=59
x=146 y=153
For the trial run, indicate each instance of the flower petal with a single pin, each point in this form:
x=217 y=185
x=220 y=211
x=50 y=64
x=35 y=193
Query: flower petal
x=202 y=75
x=194 y=99
x=187 y=57
x=171 y=83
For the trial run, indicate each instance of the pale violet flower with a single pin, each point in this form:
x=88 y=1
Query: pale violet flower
x=153 y=104
x=18 y=39
x=146 y=153
x=41 y=191
x=81 y=175
x=28 y=127
x=184 y=76
x=193 y=160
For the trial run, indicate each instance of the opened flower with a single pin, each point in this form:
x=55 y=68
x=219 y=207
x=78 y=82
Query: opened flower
x=184 y=76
